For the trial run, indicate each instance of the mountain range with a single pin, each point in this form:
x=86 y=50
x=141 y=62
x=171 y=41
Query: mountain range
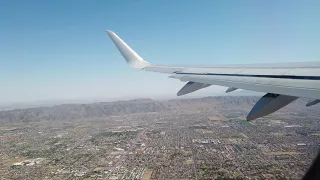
x=105 y=109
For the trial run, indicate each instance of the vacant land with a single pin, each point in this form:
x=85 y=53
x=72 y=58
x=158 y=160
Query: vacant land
x=283 y=153
x=147 y=174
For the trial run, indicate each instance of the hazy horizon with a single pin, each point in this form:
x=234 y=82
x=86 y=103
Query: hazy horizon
x=44 y=103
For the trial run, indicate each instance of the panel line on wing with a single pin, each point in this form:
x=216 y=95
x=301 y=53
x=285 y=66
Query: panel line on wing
x=256 y=75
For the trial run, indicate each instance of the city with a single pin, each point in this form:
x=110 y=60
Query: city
x=205 y=138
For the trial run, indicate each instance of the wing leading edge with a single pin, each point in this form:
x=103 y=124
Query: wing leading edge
x=283 y=83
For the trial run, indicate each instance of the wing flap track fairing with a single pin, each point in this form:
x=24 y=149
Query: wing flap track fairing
x=268 y=104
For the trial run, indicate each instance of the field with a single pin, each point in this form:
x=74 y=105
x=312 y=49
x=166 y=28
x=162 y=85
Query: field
x=189 y=161
x=279 y=153
x=147 y=174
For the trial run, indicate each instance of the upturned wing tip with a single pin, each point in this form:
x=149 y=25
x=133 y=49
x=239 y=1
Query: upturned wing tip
x=129 y=54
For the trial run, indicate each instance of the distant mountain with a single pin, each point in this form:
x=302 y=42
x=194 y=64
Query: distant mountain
x=105 y=109
x=81 y=111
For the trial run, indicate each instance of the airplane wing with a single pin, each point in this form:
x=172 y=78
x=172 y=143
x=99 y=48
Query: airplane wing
x=282 y=83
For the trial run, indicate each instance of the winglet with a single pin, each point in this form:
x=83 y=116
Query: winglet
x=129 y=55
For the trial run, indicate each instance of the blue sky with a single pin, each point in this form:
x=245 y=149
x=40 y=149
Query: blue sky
x=58 y=50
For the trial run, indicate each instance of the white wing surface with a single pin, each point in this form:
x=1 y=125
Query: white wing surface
x=282 y=83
